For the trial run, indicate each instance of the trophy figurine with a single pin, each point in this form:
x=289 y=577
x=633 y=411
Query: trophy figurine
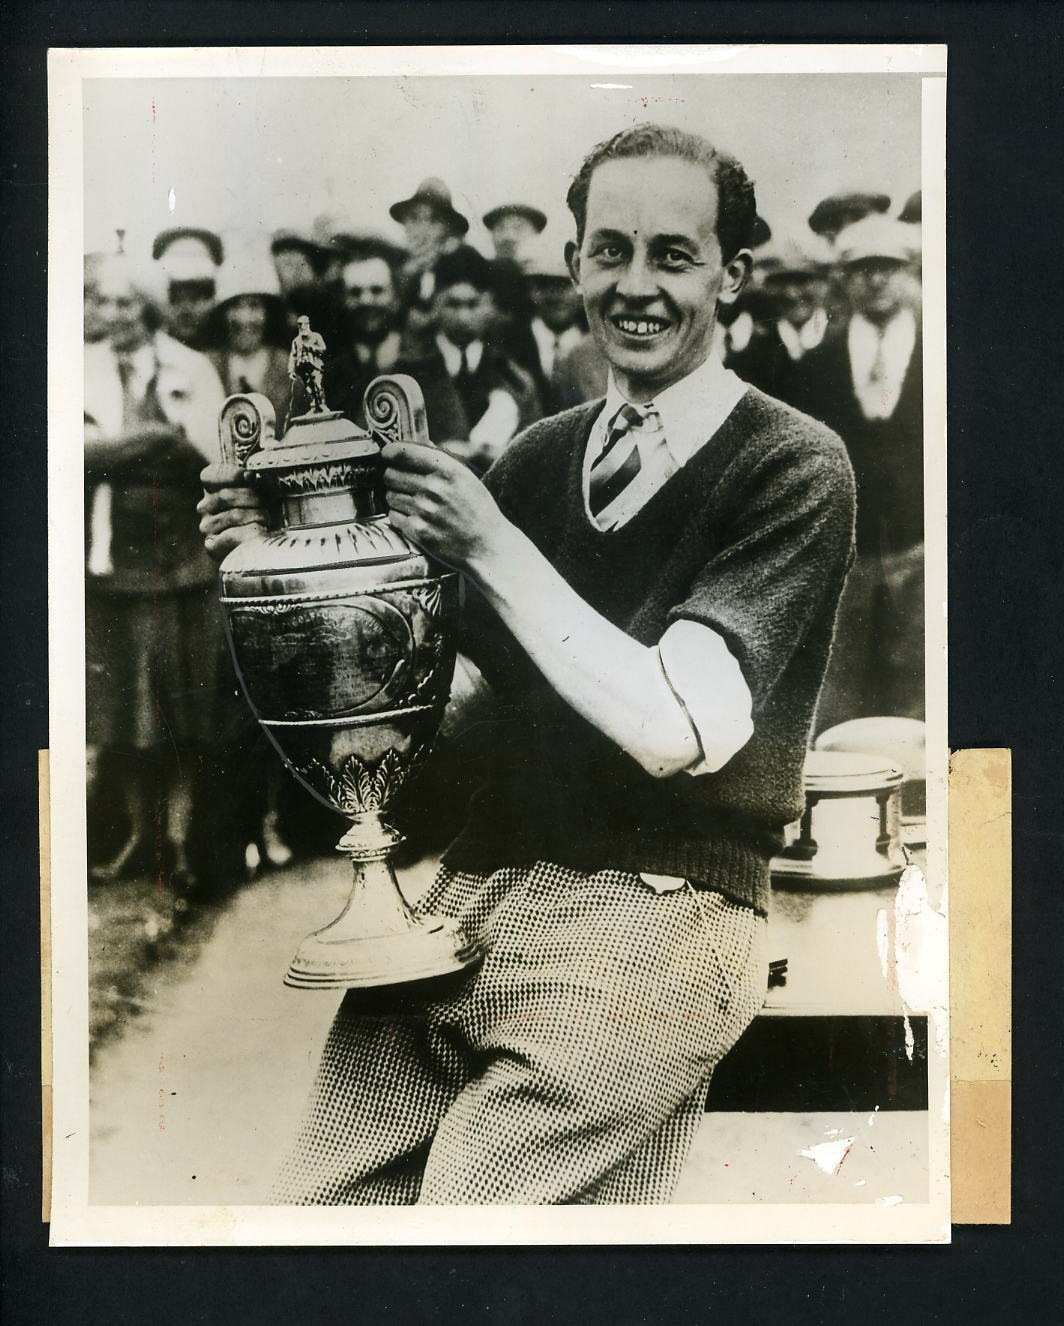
x=343 y=636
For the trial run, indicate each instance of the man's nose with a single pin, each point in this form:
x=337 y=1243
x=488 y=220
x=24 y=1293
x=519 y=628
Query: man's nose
x=637 y=280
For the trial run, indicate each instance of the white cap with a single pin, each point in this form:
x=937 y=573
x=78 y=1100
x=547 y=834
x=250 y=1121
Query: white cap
x=877 y=237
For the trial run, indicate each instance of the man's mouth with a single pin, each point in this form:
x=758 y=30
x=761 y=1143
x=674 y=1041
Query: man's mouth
x=641 y=326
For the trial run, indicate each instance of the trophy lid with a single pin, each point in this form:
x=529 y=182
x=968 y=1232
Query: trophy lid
x=313 y=439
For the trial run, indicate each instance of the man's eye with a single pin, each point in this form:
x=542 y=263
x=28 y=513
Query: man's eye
x=607 y=253
x=675 y=259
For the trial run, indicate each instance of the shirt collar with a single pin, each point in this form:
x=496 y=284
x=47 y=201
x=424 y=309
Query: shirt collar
x=452 y=354
x=691 y=410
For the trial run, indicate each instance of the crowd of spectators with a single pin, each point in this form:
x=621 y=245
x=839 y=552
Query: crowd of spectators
x=829 y=323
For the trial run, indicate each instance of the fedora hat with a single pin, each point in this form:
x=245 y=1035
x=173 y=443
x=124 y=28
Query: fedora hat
x=533 y=214
x=435 y=194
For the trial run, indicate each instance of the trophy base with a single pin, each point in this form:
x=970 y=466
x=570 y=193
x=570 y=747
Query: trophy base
x=433 y=947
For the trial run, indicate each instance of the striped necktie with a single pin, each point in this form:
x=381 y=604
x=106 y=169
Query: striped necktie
x=618 y=464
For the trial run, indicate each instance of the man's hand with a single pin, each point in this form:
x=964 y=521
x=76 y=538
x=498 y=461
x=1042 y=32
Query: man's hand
x=230 y=511
x=442 y=506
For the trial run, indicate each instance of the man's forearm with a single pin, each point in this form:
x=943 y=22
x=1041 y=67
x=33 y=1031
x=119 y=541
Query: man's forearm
x=613 y=681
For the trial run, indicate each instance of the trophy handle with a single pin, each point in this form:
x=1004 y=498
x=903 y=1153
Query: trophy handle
x=395 y=410
x=246 y=424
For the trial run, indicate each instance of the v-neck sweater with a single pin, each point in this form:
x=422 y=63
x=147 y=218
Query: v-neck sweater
x=753 y=538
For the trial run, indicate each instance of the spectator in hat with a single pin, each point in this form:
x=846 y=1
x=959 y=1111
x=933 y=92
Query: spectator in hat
x=247 y=329
x=433 y=227
x=153 y=629
x=557 y=326
x=840 y=210
x=512 y=227
x=371 y=342
x=867 y=384
x=792 y=286
x=498 y=398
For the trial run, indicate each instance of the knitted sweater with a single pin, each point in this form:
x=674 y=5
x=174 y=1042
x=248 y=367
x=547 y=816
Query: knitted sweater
x=752 y=537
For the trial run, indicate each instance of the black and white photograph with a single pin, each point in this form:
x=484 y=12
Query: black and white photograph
x=497 y=611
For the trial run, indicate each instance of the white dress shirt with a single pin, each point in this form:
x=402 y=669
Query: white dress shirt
x=701 y=671
x=798 y=341
x=879 y=360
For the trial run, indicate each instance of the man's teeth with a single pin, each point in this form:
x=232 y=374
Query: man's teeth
x=641 y=327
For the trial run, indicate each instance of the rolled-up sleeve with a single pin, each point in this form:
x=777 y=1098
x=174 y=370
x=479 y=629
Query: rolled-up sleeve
x=709 y=686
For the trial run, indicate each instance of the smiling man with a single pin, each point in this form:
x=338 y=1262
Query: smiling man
x=652 y=582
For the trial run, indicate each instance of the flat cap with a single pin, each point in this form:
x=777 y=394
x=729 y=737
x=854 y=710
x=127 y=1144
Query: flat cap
x=876 y=237
x=843 y=209
x=532 y=214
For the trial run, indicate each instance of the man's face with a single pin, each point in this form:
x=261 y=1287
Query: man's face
x=369 y=299
x=878 y=288
x=556 y=300
x=426 y=233
x=463 y=313
x=190 y=303
x=650 y=271
x=245 y=322
x=122 y=311
x=511 y=234
x=795 y=299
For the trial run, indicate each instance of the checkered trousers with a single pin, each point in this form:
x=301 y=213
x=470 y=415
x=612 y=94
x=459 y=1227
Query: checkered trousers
x=570 y=1067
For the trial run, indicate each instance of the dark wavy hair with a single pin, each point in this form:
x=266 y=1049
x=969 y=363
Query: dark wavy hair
x=736 y=203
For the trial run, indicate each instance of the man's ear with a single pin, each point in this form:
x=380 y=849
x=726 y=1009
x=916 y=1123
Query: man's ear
x=572 y=261
x=736 y=275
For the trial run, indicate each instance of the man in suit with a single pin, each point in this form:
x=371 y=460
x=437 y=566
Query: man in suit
x=498 y=398
x=557 y=326
x=433 y=227
x=866 y=382
x=791 y=285
x=371 y=343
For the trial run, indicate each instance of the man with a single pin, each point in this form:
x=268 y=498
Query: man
x=557 y=326
x=498 y=398
x=373 y=343
x=793 y=286
x=432 y=226
x=866 y=383
x=512 y=227
x=651 y=583
x=153 y=630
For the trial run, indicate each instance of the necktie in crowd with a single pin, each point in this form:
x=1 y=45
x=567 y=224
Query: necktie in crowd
x=618 y=464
